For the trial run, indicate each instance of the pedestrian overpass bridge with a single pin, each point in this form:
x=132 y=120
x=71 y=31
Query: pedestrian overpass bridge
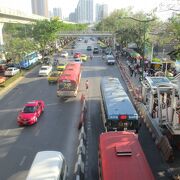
x=15 y=16
x=86 y=33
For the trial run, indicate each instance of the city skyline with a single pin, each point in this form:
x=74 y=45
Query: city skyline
x=68 y=6
x=40 y=7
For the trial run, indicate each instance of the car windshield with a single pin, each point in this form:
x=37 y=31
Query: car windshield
x=54 y=75
x=61 y=64
x=29 y=109
x=9 y=69
x=110 y=58
x=44 y=68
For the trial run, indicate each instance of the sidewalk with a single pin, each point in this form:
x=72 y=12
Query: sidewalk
x=134 y=80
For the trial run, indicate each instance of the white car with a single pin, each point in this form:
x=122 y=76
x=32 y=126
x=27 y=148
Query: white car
x=64 y=54
x=110 y=59
x=45 y=70
x=11 y=71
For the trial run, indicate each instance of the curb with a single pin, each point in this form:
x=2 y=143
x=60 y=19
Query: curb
x=7 y=89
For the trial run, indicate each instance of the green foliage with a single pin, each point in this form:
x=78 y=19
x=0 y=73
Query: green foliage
x=16 y=48
x=18 y=30
x=129 y=27
x=46 y=32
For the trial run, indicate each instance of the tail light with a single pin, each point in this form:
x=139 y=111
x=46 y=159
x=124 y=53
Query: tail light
x=122 y=117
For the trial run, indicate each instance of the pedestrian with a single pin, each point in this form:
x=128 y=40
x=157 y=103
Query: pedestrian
x=91 y=56
x=87 y=84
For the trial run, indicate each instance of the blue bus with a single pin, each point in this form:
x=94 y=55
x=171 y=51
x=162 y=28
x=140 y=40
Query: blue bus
x=29 y=60
x=118 y=112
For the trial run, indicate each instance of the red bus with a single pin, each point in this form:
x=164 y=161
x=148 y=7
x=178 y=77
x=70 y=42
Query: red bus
x=69 y=80
x=121 y=157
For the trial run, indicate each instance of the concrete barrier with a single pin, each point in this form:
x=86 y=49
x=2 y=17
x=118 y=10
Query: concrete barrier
x=79 y=169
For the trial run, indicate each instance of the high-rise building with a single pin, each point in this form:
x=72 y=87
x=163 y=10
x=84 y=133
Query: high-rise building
x=57 y=12
x=84 y=11
x=40 y=7
x=72 y=17
x=101 y=11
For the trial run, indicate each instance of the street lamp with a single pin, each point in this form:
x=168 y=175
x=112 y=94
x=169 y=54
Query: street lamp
x=144 y=36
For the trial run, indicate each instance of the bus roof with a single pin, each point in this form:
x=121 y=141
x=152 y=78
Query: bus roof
x=46 y=164
x=122 y=157
x=115 y=99
x=71 y=72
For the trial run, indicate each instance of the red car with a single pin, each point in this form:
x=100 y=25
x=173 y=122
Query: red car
x=30 y=113
x=77 y=55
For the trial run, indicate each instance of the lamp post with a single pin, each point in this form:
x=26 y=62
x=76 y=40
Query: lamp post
x=144 y=36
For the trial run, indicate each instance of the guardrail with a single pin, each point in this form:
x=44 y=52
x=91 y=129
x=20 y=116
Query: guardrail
x=79 y=170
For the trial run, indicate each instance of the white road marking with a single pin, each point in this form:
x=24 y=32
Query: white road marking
x=22 y=161
x=6 y=132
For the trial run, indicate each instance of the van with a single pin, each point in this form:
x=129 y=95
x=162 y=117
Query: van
x=110 y=59
x=49 y=165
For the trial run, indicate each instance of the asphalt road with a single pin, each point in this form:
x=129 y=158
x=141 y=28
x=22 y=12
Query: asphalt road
x=57 y=127
x=94 y=71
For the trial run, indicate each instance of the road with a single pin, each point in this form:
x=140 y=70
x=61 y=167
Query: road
x=57 y=127
x=94 y=71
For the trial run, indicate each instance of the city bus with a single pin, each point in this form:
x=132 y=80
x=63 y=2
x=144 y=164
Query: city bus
x=120 y=157
x=118 y=112
x=68 y=82
x=29 y=60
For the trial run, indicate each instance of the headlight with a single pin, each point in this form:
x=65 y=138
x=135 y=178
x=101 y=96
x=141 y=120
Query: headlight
x=33 y=118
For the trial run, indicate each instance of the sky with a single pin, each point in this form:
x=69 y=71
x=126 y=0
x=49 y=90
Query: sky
x=68 y=6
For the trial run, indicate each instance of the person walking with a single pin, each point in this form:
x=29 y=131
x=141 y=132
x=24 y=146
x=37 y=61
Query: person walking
x=87 y=84
x=91 y=56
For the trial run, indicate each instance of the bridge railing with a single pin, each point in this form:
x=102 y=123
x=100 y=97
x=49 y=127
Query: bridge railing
x=79 y=33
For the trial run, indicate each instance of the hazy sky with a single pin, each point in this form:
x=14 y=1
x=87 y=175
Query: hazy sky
x=68 y=6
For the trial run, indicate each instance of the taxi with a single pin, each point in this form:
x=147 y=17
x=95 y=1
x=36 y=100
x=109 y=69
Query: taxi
x=61 y=66
x=84 y=57
x=53 y=77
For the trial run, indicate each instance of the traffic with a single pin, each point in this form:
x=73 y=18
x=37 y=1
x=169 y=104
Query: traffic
x=58 y=118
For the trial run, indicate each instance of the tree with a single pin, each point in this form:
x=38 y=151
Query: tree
x=18 y=41
x=17 y=48
x=45 y=32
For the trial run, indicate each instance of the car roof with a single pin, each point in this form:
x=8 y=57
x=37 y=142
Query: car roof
x=11 y=68
x=44 y=66
x=46 y=164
